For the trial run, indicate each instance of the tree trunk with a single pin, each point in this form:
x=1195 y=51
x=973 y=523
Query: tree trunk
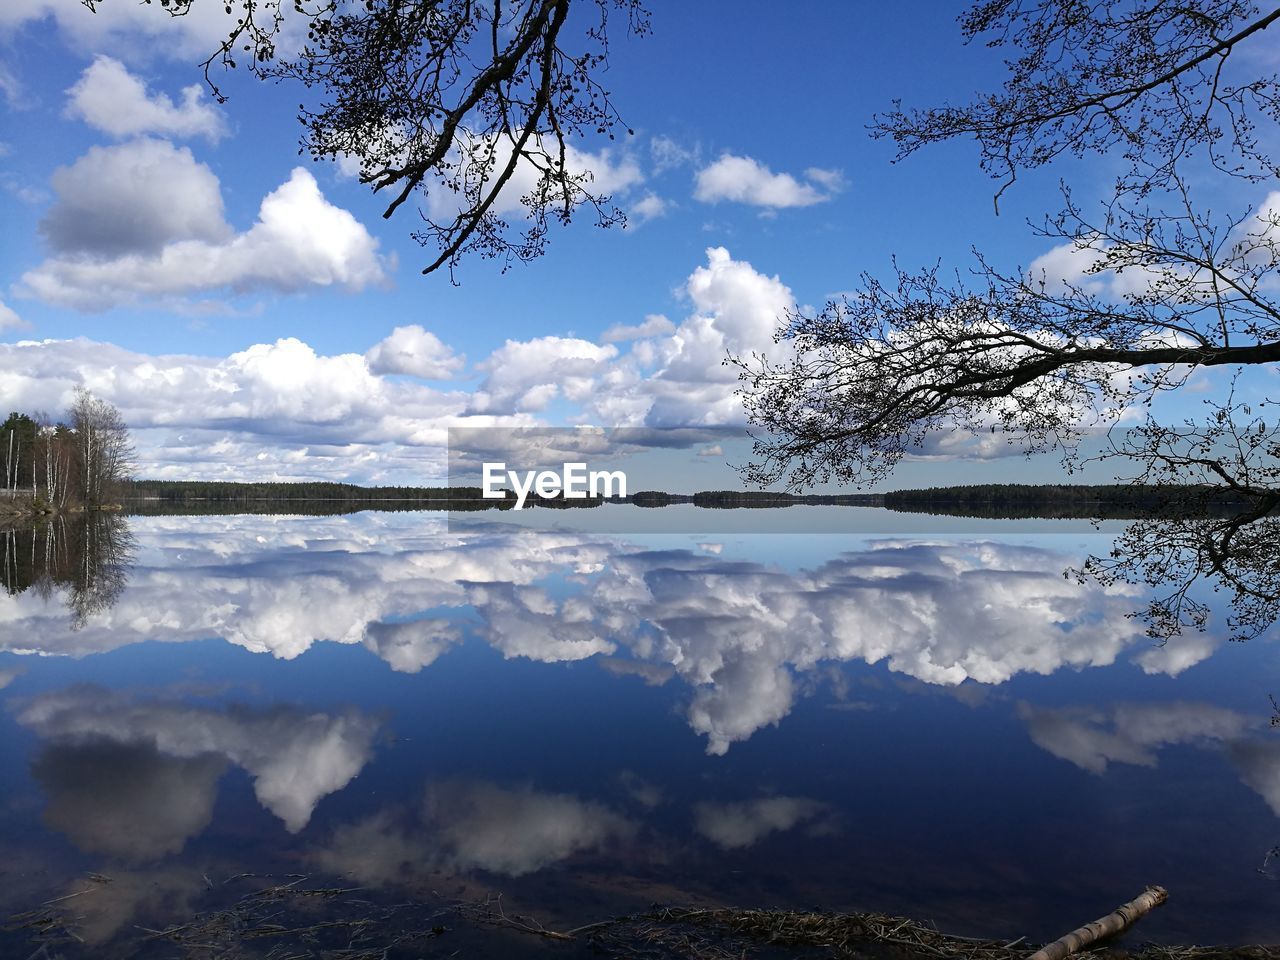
x=1121 y=919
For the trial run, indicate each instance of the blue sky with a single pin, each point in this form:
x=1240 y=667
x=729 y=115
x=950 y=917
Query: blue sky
x=254 y=317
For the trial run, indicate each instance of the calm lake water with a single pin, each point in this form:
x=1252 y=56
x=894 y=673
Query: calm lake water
x=934 y=723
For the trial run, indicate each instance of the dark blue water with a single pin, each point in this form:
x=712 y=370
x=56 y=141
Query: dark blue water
x=941 y=726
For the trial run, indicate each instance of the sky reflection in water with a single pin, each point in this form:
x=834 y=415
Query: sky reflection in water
x=944 y=726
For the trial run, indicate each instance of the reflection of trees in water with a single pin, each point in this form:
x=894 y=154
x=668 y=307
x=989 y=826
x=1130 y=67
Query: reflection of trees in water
x=88 y=557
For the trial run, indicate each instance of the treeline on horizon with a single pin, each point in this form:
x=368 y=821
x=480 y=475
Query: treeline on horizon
x=217 y=490
x=1015 y=501
x=322 y=492
x=991 y=501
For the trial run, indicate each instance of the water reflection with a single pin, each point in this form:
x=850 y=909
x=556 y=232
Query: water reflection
x=137 y=778
x=1094 y=738
x=589 y=725
x=734 y=826
x=466 y=825
x=86 y=558
x=745 y=637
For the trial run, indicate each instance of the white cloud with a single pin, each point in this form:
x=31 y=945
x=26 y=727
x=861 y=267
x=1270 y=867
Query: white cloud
x=137 y=30
x=603 y=173
x=271 y=411
x=11 y=88
x=667 y=154
x=9 y=319
x=832 y=180
x=300 y=240
x=745 y=180
x=282 y=411
x=108 y=97
x=133 y=198
x=649 y=207
x=526 y=375
x=415 y=351
x=654 y=325
x=681 y=379
x=734 y=826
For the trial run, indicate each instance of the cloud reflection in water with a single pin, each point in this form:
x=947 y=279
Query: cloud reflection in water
x=737 y=633
x=137 y=778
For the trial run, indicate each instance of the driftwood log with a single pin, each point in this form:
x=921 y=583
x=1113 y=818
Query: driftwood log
x=1120 y=919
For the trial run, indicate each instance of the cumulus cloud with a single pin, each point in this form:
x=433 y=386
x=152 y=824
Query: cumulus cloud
x=526 y=375
x=745 y=180
x=295 y=758
x=278 y=411
x=649 y=207
x=275 y=410
x=9 y=319
x=110 y=98
x=654 y=325
x=417 y=352
x=300 y=240
x=734 y=826
x=680 y=379
x=133 y=198
x=602 y=172
x=141 y=30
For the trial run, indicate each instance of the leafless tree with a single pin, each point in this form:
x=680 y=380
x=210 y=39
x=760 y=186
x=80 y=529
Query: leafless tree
x=104 y=451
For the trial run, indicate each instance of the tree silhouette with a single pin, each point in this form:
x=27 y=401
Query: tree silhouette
x=1162 y=288
x=458 y=101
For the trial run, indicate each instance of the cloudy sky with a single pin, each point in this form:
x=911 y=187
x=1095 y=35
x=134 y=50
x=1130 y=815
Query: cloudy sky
x=254 y=317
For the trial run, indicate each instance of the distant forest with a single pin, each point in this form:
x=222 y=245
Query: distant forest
x=317 y=498
x=219 y=490
x=1067 y=501
x=992 y=501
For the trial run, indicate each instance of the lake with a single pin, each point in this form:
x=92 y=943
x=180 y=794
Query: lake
x=918 y=716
